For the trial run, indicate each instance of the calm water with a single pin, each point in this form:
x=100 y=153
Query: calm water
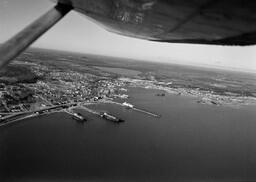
x=191 y=142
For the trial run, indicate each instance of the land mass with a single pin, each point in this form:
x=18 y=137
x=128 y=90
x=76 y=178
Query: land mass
x=41 y=79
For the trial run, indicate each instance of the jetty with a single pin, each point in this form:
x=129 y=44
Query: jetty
x=146 y=112
x=131 y=106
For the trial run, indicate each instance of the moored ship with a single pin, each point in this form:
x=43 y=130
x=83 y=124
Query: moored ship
x=110 y=117
x=127 y=105
x=78 y=117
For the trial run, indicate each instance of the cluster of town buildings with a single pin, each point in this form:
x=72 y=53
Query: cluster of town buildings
x=56 y=88
x=203 y=96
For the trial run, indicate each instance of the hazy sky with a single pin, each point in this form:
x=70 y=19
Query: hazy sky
x=76 y=33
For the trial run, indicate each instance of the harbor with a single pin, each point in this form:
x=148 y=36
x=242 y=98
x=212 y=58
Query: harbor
x=69 y=109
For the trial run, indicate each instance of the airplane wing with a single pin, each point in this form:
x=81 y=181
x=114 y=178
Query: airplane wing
x=219 y=22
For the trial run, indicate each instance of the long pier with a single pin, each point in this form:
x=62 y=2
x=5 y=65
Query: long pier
x=134 y=108
x=146 y=112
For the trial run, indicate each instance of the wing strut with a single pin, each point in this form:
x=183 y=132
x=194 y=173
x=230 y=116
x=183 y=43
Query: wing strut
x=18 y=43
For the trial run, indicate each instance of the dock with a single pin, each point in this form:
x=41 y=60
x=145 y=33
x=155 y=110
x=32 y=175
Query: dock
x=14 y=117
x=132 y=107
x=146 y=112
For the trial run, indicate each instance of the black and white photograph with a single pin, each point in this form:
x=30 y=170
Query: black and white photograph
x=127 y=90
